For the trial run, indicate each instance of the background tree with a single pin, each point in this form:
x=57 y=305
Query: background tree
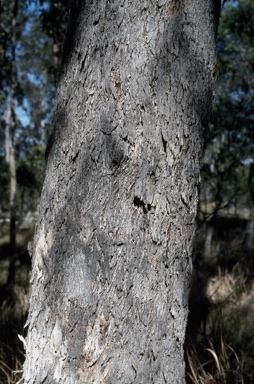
x=223 y=254
x=230 y=142
x=10 y=36
x=28 y=76
x=111 y=255
x=27 y=86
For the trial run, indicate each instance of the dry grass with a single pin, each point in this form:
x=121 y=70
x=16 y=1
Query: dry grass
x=224 y=352
x=13 y=312
x=13 y=306
x=232 y=298
x=10 y=375
x=224 y=366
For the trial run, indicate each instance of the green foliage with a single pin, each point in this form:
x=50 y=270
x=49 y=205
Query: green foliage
x=30 y=174
x=235 y=88
x=230 y=143
x=30 y=170
x=54 y=17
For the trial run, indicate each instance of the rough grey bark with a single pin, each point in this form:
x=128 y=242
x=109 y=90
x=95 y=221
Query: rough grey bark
x=111 y=254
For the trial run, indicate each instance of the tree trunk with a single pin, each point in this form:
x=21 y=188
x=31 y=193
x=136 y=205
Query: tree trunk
x=249 y=235
x=10 y=158
x=208 y=241
x=111 y=254
x=10 y=148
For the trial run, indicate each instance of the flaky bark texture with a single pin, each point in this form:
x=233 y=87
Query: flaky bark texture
x=111 y=257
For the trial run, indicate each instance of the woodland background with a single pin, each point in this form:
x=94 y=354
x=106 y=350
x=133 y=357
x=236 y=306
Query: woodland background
x=219 y=344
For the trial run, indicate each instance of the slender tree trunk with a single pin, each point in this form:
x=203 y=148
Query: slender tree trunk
x=7 y=117
x=111 y=254
x=10 y=148
x=249 y=235
x=13 y=191
x=208 y=241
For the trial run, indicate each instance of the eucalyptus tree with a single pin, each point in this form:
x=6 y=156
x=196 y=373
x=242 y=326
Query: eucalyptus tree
x=27 y=85
x=230 y=142
x=11 y=18
x=111 y=253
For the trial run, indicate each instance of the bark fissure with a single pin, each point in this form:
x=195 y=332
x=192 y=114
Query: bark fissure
x=139 y=203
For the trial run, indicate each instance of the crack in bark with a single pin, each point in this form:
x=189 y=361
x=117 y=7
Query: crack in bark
x=139 y=203
x=164 y=142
